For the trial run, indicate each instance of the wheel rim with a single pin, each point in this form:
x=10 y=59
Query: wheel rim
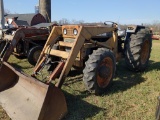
x=145 y=52
x=104 y=72
x=36 y=55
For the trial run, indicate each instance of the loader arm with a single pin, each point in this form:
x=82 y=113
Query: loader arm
x=85 y=33
x=12 y=41
x=55 y=33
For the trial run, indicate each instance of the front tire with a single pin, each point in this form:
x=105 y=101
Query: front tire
x=34 y=54
x=138 y=49
x=99 y=70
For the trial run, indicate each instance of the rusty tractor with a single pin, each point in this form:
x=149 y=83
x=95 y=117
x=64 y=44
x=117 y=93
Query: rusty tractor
x=86 y=47
x=30 y=44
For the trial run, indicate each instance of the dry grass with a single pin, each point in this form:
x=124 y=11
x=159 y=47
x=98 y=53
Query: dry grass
x=133 y=96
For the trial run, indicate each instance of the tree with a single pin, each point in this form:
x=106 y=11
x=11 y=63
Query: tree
x=63 y=21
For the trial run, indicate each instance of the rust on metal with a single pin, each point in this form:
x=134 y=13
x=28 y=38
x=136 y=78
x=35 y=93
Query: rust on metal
x=145 y=52
x=104 y=72
x=56 y=71
x=26 y=98
x=20 y=34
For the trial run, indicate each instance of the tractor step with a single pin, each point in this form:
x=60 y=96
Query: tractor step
x=65 y=44
x=58 y=53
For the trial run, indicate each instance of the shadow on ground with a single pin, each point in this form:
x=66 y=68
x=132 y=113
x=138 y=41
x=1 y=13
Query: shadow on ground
x=124 y=78
x=79 y=109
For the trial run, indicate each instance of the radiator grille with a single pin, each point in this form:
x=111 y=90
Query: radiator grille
x=70 y=32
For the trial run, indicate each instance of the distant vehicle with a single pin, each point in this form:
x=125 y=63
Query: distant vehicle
x=156 y=37
x=30 y=42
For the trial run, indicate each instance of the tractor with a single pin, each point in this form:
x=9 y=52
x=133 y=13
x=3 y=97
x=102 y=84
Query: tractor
x=30 y=44
x=93 y=48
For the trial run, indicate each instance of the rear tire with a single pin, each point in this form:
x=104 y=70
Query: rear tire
x=99 y=70
x=19 y=50
x=34 y=54
x=138 y=49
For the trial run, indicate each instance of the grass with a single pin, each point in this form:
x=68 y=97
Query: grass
x=133 y=96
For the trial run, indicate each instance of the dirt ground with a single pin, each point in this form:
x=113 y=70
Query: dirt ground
x=3 y=115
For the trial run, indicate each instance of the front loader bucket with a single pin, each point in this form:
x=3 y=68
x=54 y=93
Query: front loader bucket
x=26 y=98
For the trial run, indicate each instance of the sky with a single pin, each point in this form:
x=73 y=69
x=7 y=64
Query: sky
x=120 y=11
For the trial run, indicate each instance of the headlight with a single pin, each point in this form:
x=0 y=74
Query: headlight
x=65 y=31
x=75 y=31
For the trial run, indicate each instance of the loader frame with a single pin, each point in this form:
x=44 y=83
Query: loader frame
x=83 y=40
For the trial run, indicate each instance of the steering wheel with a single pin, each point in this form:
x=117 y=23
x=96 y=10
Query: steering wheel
x=113 y=23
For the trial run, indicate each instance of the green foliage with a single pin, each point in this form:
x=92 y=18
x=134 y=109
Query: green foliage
x=133 y=96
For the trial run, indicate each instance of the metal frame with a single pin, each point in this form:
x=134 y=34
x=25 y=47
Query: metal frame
x=82 y=39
